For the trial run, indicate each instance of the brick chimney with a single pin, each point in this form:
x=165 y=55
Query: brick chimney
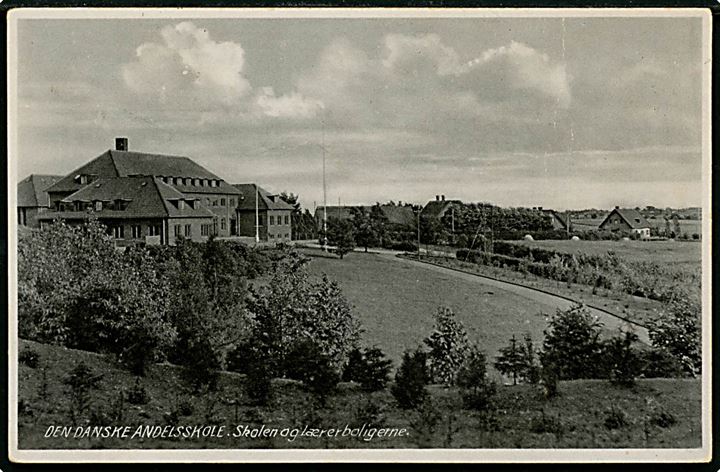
x=437 y=198
x=443 y=197
x=617 y=207
x=121 y=144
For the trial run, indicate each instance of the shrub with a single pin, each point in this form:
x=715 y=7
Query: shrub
x=307 y=363
x=476 y=390
x=29 y=357
x=658 y=363
x=662 y=418
x=448 y=347
x=199 y=362
x=411 y=379
x=81 y=381
x=623 y=363
x=355 y=365
x=138 y=395
x=518 y=360
x=572 y=344
x=549 y=379
x=369 y=412
x=426 y=421
x=371 y=370
x=259 y=373
x=615 y=418
x=546 y=424
x=677 y=331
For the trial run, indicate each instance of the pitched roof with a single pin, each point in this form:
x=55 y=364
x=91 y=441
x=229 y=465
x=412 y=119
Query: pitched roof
x=147 y=197
x=31 y=190
x=267 y=200
x=631 y=216
x=113 y=163
x=556 y=214
x=399 y=215
x=436 y=208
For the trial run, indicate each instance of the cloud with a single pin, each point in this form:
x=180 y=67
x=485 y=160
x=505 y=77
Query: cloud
x=293 y=105
x=418 y=54
x=522 y=68
x=189 y=64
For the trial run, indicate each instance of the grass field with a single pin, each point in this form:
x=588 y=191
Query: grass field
x=574 y=419
x=395 y=303
x=651 y=251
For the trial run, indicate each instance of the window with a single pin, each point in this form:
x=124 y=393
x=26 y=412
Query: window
x=287 y=236
x=177 y=231
x=222 y=202
x=136 y=231
x=181 y=204
x=154 y=230
x=188 y=231
x=215 y=203
x=177 y=180
x=232 y=202
x=118 y=232
x=98 y=206
x=222 y=223
x=272 y=220
x=287 y=219
x=196 y=182
x=205 y=230
x=272 y=236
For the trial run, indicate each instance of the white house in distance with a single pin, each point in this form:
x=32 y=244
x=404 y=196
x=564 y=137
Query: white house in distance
x=626 y=220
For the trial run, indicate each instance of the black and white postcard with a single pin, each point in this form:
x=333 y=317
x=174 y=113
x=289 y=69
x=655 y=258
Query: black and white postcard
x=359 y=235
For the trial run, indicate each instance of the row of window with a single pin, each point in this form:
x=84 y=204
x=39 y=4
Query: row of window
x=190 y=181
x=118 y=232
x=98 y=205
x=279 y=220
x=222 y=202
x=272 y=236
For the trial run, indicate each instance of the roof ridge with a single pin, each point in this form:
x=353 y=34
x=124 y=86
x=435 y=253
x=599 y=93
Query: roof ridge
x=112 y=161
x=162 y=199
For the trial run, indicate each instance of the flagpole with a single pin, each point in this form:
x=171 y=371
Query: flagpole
x=324 y=241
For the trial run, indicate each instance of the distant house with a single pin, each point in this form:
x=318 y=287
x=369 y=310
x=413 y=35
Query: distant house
x=32 y=198
x=439 y=207
x=558 y=220
x=137 y=195
x=138 y=209
x=398 y=216
x=626 y=220
x=274 y=215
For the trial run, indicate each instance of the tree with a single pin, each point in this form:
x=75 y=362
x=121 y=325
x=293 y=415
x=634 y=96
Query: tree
x=677 y=331
x=476 y=390
x=448 y=345
x=511 y=361
x=572 y=344
x=623 y=362
x=364 y=230
x=369 y=368
x=341 y=234
x=292 y=307
x=411 y=379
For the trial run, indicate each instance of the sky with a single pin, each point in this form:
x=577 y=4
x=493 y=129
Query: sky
x=553 y=112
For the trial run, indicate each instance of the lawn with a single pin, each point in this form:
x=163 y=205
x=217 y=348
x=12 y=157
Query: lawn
x=574 y=419
x=688 y=252
x=395 y=302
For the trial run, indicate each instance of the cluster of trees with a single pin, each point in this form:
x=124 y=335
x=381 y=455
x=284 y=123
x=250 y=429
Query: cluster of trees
x=647 y=279
x=368 y=228
x=190 y=304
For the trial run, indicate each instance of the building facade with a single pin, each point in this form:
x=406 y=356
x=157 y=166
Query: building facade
x=269 y=213
x=626 y=220
x=186 y=200
x=32 y=198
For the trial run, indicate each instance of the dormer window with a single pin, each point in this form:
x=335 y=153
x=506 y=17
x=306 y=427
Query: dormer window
x=196 y=182
x=181 y=204
x=121 y=204
x=98 y=205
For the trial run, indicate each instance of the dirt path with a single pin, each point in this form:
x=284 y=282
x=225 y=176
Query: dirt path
x=611 y=322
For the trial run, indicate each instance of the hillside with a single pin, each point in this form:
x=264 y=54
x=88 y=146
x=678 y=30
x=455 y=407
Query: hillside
x=523 y=419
